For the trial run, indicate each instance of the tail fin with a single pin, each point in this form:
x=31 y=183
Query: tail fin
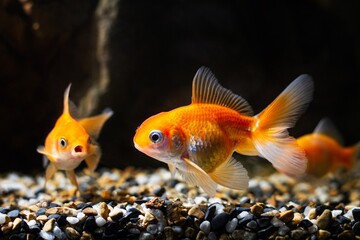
x=270 y=134
x=351 y=154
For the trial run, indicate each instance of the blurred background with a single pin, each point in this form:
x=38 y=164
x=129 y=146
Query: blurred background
x=139 y=58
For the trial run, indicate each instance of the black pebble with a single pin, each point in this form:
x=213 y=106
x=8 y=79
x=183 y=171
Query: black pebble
x=210 y=212
x=41 y=211
x=159 y=191
x=356 y=214
x=53 y=205
x=265 y=233
x=172 y=183
x=82 y=206
x=17 y=236
x=356 y=228
x=13 y=214
x=219 y=221
x=263 y=222
x=131 y=213
x=320 y=209
x=305 y=223
x=342 y=219
x=24 y=227
x=90 y=224
x=245 y=220
x=111 y=228
x=4 y=210
x=56 y=216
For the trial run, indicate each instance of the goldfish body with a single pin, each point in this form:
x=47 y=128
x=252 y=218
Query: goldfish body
x=71 y=141
x=324 y=150
x=198 y=140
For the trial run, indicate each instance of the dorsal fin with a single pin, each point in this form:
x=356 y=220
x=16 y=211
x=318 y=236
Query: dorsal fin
x=206 y=89
x=327 y=127
x=66 y=100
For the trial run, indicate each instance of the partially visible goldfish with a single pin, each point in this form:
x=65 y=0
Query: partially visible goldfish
x=324 y=150
x=71 y=141
x=198 y=140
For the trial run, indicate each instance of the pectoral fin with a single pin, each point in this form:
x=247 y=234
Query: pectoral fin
x=231 y=174
x=49 y=172
x=196 y=176
x=172 y=169
x=94 y=124
x=72 y=177
x=92 y=161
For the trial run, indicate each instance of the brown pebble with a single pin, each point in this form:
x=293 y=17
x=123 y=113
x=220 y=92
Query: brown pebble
x=16 y=223
x=116 y=214
x=298 y=217
x=7 y=227
x=148 y=217
x=189 y=232
x=196 y=212
x=43 y=218
x=68 y=211
x=224 y=236
x=104 y=210
x=72 y=233
x=155 y=203
x=286 y=216
x=323 y=234
x=201 y=236
x=86 y=236
x=49 y=225
x=324 y=219
x=31 y=216
x=33 y=208
x=89 y=211
x=257 y=209
x=51 y=211
x=312 y=214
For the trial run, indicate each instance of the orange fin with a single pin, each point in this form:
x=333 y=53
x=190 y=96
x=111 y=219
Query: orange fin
x=172 y=169
x=270 y=134
x=72 y=177
x=92 y=161
x=327 y=127
x=41 y=150
x=49 y=172
x=66 y=100
x=194 y=175
x=231 y=174
x=93 y=125
x=206 y=89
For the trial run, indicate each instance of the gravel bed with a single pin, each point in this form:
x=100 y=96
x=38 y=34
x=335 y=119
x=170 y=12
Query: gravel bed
x=139 y=204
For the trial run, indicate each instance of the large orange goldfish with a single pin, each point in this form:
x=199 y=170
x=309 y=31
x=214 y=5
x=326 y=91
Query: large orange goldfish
x=71 y=141
x=324 y=151
x=198 y=140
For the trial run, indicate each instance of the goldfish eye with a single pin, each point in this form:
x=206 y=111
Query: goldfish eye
x=63 y=142
x=156 y=136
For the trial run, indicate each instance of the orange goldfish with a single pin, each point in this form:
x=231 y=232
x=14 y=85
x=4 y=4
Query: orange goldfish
x=198 y=140
x=71 y=141
x=324 y=151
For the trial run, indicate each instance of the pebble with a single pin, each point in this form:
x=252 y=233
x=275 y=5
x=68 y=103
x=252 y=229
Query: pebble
x=324 y=219
x=13 y=214
x=71 y=233
x=72 y=220
x=196 y=212
x=46 y=235
x=90 y=211
x=323 y=234
x=100 y=221
x=205 y=226
x=231 y=225
x=152 y=229
x=4 y=218
x=219 y=221
x=286 y=216
x=49 y=225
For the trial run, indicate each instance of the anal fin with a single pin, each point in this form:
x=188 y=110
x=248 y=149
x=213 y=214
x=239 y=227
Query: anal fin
x=193 y=174
x=231 y=174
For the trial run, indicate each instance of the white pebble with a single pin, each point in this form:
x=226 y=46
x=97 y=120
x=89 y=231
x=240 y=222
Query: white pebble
x=47 y=235
x=80 y=216
x=349 y=214
x=2 y=218
x=242 y=214
x=59 y=234
x=205 y=227
x=277 y=222
x=307 y=210
x=100 y=221
x=31 y=223
x=72 y=220
x=231 y=225
x=335 y=213
x=199 y=200
x=180 y=186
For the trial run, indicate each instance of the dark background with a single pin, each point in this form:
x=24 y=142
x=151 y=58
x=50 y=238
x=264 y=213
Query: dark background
x=255 y=48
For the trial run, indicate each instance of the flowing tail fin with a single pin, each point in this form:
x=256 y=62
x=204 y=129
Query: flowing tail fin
x=351 y=154
x=270 y=134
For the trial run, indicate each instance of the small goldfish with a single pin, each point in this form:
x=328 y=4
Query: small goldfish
x=71 y=141
x=324 y=151
x=197 y=141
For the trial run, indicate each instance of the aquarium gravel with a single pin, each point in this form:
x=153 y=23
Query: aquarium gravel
x=150 y=204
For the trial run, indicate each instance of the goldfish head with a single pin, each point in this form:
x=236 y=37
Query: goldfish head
x=160 y=138
x=67 y=144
